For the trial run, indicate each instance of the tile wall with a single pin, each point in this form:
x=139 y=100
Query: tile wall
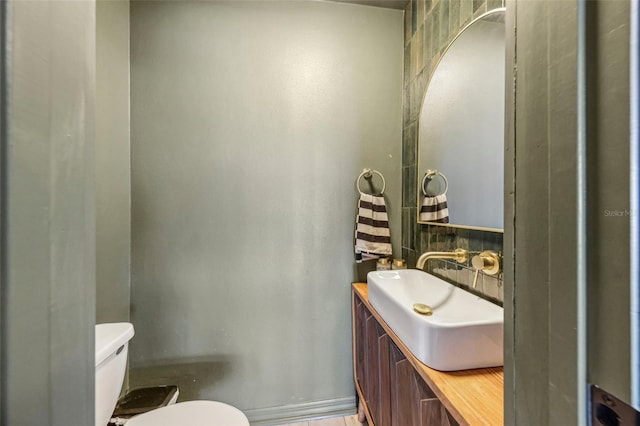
x=429 y=27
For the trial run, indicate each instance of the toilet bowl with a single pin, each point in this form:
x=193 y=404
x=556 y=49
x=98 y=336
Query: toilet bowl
x=192 y=413
x=112 y=346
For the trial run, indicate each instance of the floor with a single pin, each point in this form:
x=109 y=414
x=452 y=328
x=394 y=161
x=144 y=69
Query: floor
x=332 y=421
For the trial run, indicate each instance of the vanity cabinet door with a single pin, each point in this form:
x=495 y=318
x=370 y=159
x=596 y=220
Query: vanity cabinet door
x=432 y=412
x=412 y=401
x=378 y=396
x=402 y=406
x=371 y=367
x=371 y=358
x=393 y=392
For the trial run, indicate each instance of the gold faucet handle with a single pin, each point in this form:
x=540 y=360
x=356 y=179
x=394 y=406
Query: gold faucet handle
x=488 y=262
x=475 y=278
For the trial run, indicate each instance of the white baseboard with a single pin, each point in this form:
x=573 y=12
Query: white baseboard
x=307 y=410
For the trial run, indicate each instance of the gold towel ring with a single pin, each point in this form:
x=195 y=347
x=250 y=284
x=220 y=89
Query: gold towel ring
x=429 y=175
x=368 y=174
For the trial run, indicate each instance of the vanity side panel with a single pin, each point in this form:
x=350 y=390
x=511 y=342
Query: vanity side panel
x=360 y=342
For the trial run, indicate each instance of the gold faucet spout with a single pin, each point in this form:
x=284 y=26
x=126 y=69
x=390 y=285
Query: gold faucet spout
x=459 y=255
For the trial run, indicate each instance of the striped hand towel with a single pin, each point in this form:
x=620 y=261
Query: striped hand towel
x=372 y=238
x=434 y=209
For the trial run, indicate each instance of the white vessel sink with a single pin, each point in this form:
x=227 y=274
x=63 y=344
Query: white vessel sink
x=463 y=332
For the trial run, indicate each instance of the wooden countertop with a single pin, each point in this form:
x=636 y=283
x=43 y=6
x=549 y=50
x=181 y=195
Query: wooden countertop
x=473 y=397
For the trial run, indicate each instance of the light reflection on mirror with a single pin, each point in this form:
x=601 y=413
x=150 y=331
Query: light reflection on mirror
x=461 y=127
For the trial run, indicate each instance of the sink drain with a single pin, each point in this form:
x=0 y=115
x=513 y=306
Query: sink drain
x=422 y=309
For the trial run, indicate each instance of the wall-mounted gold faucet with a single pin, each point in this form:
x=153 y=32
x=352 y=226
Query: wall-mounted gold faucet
x=460 y=255
x=488 y=262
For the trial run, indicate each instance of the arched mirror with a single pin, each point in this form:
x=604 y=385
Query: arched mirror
x=461 y=130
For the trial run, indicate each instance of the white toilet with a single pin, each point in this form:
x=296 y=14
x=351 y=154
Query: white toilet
x=112 y=346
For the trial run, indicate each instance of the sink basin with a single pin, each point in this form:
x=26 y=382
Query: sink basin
x=463 y=332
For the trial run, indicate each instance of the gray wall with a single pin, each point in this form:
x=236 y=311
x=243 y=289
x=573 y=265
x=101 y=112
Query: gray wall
x=48 y=229
x=113 y=165
x=429 y=28
x=250 y=124
x=609 y=297
x=540 y=68
x=541 y=304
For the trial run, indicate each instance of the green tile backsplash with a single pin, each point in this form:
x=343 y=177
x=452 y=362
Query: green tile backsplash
x=430 y=25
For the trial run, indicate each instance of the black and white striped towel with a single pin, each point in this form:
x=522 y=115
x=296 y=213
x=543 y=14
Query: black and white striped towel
x=372 y=238
x=434 y=209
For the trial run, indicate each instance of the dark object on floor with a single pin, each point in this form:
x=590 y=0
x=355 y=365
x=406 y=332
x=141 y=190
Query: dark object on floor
x=142 y=400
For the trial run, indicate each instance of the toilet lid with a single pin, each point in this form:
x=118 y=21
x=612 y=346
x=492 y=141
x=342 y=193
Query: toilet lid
x=192 y=413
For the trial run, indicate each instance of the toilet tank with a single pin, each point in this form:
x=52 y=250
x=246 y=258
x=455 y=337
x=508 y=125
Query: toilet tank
x=112 y=346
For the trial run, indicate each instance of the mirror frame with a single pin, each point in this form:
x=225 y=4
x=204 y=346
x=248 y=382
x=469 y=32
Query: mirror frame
x=419 y=181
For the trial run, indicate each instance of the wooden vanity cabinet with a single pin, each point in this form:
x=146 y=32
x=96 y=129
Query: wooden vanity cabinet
x=390 y=390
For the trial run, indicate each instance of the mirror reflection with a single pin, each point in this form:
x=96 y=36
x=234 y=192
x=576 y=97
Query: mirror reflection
x=461 y=130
